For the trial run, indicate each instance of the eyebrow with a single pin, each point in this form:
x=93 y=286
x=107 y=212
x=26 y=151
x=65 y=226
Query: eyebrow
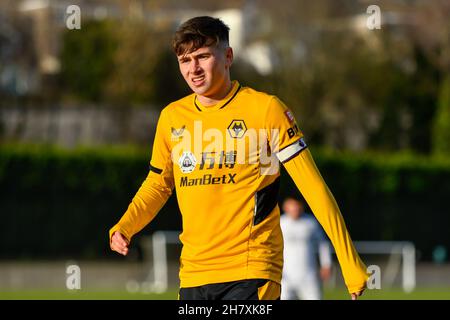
x=186 y=57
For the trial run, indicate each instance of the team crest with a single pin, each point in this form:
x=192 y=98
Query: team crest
x=237 y=129
x=187 y=162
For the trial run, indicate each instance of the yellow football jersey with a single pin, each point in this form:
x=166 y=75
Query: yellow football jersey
x=223 y=161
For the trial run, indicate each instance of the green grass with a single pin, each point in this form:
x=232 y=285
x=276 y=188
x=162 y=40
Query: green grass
x=336 y=294
x=392 y=294
x=85 y=295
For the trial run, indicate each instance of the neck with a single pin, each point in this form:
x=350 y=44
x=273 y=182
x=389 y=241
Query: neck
x=213 y=99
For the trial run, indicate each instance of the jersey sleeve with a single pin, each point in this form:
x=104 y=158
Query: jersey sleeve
x=284 y=136
x=155 y=190
x=309 y=181
x=287 y=142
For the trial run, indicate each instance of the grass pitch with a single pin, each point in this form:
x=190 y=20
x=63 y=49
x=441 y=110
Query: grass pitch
x=335 y=294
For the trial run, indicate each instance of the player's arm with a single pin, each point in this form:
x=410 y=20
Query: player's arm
x=307 y=178
x=151 y=196
x=292 y=151
x=325 y=260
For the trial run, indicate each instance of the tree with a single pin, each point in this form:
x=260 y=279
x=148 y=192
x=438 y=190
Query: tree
x=132 y=79
x=87 y=59
x=431 y=33
x=441 y=128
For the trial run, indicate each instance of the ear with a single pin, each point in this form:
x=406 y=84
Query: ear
x=229 y=56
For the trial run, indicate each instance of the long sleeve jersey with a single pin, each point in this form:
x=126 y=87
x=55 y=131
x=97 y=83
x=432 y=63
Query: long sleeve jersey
x=223 y=161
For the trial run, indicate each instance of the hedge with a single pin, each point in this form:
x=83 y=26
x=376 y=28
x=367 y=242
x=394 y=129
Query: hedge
x=60 y=203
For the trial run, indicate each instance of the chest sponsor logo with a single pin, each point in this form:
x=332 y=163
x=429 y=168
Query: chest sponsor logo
x=226 y=147
x=187 y=162
x=208 y=179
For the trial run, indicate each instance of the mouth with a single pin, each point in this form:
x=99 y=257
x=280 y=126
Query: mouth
x=198 y=81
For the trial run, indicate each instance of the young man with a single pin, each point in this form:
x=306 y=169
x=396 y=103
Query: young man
x=216 y=147
x=303 y=241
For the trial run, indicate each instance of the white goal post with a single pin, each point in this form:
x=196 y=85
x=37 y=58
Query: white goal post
x=400 y=252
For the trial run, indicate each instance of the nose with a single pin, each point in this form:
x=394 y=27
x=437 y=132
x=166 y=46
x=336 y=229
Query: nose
x=195 y=66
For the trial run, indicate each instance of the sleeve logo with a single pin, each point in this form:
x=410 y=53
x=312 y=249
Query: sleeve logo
x=302 y=143
x=290 y=116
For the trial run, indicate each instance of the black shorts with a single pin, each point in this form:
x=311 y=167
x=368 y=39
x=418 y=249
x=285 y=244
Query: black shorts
x=250 y=289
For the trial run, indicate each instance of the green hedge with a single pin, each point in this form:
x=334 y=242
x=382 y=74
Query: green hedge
x=396 y=197
x=60 y=204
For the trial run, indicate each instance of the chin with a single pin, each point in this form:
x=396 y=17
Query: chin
x=200 y=91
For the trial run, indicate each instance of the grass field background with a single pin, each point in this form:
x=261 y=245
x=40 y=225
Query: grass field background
x=335 y=294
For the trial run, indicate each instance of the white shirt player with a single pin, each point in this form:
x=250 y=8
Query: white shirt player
x=303 y=240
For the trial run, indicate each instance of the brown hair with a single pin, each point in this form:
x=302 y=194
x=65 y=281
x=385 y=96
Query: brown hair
x=199 y=32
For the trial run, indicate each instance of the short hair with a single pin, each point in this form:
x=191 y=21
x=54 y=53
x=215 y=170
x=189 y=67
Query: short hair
x=199 y=32
x=299 y=200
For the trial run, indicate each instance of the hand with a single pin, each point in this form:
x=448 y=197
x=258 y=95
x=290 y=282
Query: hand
x=119 y=243
x=357 y=294
x=325 y=273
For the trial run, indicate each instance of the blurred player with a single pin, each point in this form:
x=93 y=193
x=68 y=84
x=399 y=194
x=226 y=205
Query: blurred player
x=227 y=193
x=303 y=240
